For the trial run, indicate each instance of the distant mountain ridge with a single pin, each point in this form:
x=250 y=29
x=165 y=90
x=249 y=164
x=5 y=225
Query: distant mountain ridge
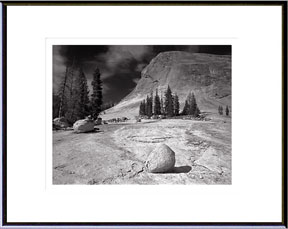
x=207 y=75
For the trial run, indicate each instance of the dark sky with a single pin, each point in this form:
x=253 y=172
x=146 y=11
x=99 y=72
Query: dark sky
x=120 y=65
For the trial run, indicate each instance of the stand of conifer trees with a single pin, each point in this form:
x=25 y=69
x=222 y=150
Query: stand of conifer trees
x=72 y=100
x=169 y=105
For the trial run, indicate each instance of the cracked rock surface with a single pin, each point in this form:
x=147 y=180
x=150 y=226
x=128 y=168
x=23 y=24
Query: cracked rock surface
x=116 y=153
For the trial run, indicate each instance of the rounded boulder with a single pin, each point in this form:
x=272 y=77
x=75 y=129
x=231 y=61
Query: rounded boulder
x=160 y=160
x=83 y=125
x=60 y=123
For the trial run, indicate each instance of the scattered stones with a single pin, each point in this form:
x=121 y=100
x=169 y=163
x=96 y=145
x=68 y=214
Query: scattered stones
x=117 y=120
x=83 y=126
x=197 y=143
x=160 y=160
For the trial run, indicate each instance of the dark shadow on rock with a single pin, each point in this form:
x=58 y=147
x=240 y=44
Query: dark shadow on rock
x=96 y=130
x=182 y=169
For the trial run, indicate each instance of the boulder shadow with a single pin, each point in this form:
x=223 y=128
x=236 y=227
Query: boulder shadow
x=182 y=169
x=96 y=130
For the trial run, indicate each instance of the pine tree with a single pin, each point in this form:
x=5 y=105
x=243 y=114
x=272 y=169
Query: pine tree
x=192 y=104
x=162 y=111
x=151 y=103
x=142 y=108
x=62 y=93
x=194 y=110
x=169 y=108
x=185 y=108
x=176 y=105
x=56 y=102
x=197 y=112
x=191 y=107
x=96 y=97
x=157 y=104
x=220 y=110
x=148 y=106
x=71 y=95
x=227 y=111
x=82 y=103
x=66 y=97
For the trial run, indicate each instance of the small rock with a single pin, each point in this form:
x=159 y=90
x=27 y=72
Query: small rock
x=160 y=160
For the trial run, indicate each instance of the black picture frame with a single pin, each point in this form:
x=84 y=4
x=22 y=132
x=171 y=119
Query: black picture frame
x=5 y=148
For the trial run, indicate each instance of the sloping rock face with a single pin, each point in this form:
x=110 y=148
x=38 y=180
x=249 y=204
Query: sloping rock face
x=160 y=160
x=83 y=126
x=207 y=75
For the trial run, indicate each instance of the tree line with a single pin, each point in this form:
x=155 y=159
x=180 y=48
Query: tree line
x=169 y=105
x=72 y=99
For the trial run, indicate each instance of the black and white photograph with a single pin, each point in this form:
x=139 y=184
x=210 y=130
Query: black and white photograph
x=113 y=106
x=142 y=114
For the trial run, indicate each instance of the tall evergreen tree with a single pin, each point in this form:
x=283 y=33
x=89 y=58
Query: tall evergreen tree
x=61 y=93
x=148 y=106
x=157 y=104
x=227 y=111
x=162 y=110
x=82 y=103
x=71 y=95
x=56 y=102
x=169 y=108
x=96 y=97
x=220 y=110
x=197 y=112
x=176 y=105
x=191 y=107
x=185 y=108
x=142 y=108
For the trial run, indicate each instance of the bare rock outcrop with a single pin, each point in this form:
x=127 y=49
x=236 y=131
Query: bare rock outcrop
x=207 y=75
x=160 y=160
